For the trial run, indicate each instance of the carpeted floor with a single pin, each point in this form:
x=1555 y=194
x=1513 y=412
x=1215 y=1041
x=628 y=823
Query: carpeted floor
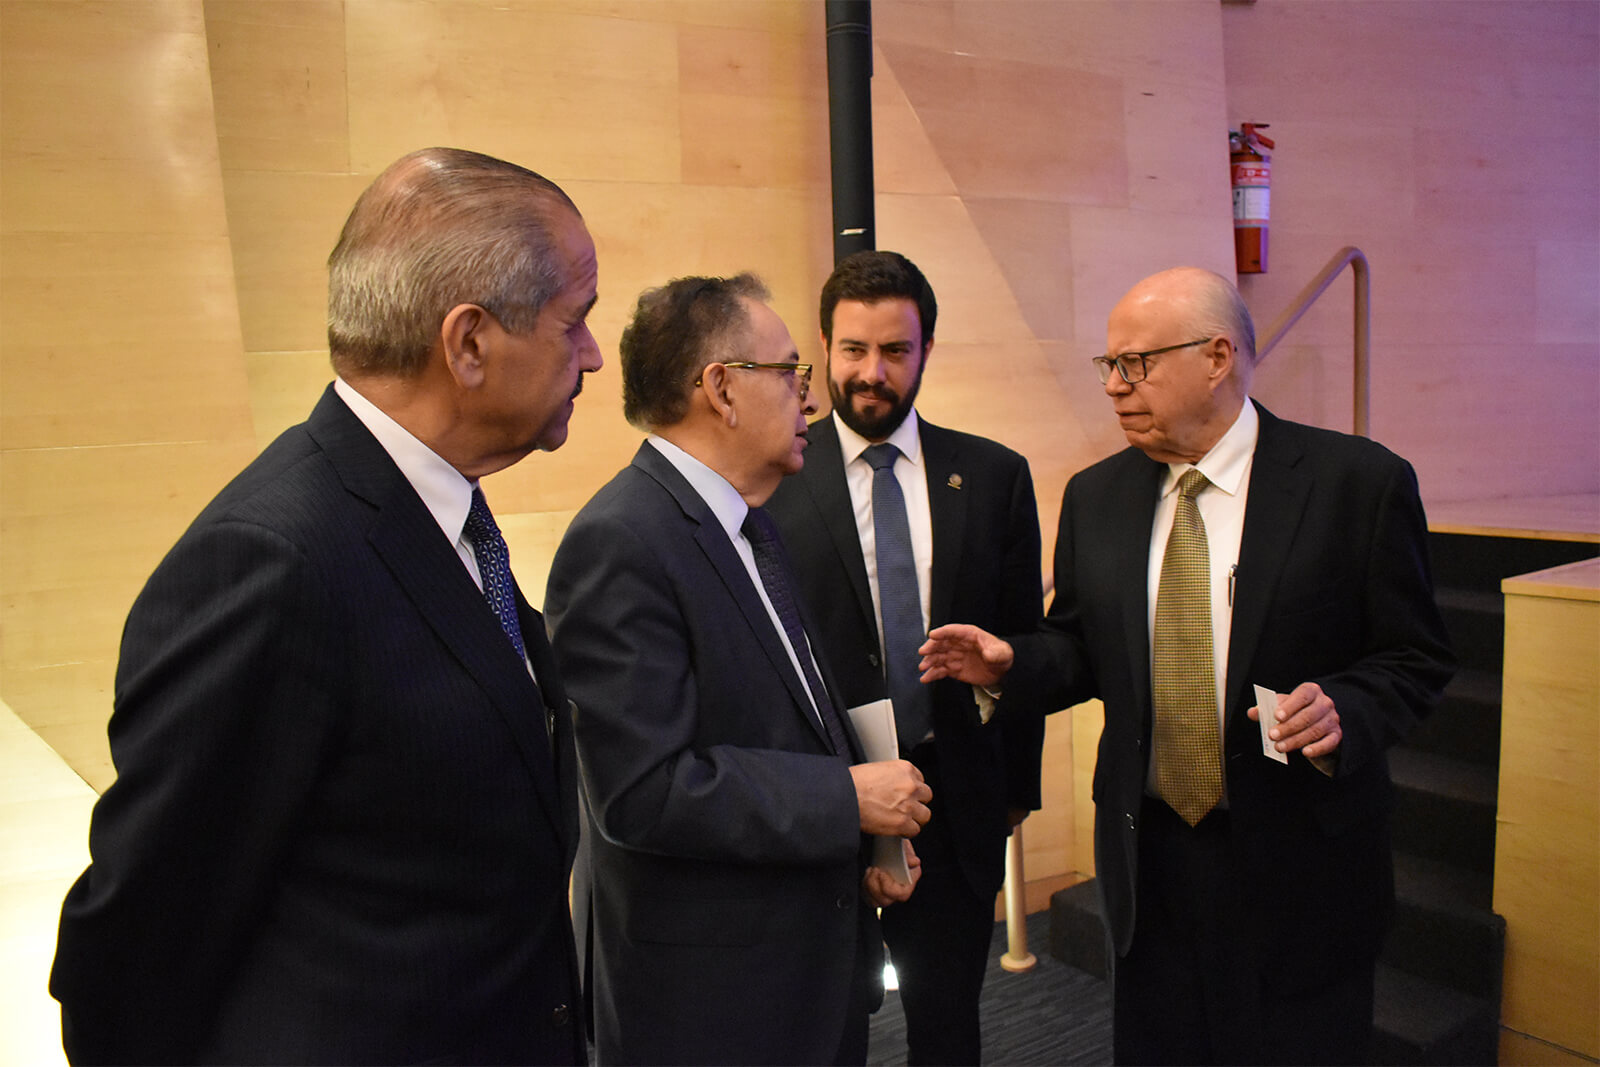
x=1053 y=1014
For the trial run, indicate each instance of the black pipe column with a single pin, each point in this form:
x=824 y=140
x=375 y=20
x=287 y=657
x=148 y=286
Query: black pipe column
x=850 y=124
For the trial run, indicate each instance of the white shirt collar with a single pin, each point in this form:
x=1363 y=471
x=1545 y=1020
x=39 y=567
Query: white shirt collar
x=443 y=489
x=718 y=493
x=1225 y=465
x=905 y=437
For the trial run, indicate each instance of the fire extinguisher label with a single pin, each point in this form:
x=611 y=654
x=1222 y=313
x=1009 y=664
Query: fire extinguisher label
x=1251 y=204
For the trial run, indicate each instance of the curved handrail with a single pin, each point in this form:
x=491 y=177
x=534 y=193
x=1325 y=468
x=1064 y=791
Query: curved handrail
x=1308 y=296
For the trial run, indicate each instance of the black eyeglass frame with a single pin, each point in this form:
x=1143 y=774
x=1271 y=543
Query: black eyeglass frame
x=1123 y=363
x=802 y=371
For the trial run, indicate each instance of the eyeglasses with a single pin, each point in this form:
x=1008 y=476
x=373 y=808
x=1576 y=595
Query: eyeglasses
x=1131 y=365
x=801 y=371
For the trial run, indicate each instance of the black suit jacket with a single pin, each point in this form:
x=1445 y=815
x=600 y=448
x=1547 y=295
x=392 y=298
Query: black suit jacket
x=338 y=834
x=985 y=571
x=1333 y=586
x=718 y=889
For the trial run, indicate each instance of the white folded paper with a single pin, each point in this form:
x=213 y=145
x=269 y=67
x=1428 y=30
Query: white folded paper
x=874 y=725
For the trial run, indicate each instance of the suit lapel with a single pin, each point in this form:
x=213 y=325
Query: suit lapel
x=424 y=564
x=1279 y=488
x=947 y=512
x=724 y=560
x=823 y=476
x=1135 y=515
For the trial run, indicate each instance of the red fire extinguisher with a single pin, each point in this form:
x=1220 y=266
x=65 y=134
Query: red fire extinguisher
x=1252 y=196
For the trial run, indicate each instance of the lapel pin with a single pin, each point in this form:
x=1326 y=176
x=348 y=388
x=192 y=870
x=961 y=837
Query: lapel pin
x=954 y=482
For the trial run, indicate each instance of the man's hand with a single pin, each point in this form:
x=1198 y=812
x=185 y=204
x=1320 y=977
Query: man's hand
x=892 y=797
x=882 y=887
x=1307 y=720
x=965 y=653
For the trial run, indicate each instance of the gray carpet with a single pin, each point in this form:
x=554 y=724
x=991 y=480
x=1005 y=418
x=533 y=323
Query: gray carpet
x=1053 y=1014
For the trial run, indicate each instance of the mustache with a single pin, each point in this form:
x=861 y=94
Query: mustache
x=879 y=392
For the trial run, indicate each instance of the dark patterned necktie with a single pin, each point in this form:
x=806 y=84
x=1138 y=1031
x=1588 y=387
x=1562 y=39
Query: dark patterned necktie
x=1183 y=668
x=494 y=567
x=763 y=536
x=900 y=598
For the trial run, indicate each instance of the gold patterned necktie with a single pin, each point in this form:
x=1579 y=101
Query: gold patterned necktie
x=1187 y=740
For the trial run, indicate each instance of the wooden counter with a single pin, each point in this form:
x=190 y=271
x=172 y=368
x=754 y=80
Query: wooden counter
x=1547 y=846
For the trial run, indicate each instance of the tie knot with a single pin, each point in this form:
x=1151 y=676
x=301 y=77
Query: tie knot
x=479 y=519
x=1192 y=482
x=881 y=456
x=758 y=527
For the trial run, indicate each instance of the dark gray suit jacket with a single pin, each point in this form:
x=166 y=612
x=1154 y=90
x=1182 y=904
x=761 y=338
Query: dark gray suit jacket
x=338 y=834
x=985 y=572
x=1333 y=587
x=720 y=874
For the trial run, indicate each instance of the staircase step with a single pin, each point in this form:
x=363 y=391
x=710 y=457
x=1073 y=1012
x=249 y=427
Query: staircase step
x=1466 y=724
x=1477 y=626
x=1444 y=808
x=1443 y=927
x=1471 y=561
x=1077 y=929
x=1418 y=1021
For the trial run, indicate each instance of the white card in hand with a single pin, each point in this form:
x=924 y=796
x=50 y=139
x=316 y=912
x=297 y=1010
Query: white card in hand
x=1267 y=704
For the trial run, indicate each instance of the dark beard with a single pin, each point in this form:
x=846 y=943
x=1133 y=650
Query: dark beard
x=873 y=427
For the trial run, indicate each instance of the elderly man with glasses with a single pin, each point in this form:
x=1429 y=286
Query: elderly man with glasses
x=721 y=895
x=1245 y=872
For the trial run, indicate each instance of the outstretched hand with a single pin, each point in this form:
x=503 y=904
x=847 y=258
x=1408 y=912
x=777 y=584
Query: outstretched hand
x=965 y=653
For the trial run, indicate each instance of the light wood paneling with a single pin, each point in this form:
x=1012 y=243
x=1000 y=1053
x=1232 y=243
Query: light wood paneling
x=1547 y=851
x=278 y=79
x=570 y=94
x=1391 y=121
x=125 y=404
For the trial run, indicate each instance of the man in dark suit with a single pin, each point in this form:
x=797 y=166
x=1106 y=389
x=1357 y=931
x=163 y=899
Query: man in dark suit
x=967 y=505
x=345 y=811
x=1245 y=897
x=721 y=896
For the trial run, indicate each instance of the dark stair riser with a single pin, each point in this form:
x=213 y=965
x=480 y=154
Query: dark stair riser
x=1466 y=724
x=1415 y=1020
x=1472 y=562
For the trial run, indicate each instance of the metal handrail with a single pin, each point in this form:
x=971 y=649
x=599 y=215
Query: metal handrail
x=1308 y=296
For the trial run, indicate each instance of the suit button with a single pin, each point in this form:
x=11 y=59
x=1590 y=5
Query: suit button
x=561 y=1016
x=1129 y=816
x=872 y=658
x=843 y=902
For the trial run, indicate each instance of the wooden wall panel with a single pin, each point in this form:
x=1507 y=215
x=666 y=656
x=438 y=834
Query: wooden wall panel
x=125 y=403
x=1404 y=129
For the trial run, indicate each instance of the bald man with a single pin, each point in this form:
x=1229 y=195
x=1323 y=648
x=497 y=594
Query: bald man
x=345 y=813
x=1245 y=896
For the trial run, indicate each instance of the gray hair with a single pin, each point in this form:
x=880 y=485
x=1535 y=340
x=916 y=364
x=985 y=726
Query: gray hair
x=676 y=330
x=439 y=228
x=1219 y=310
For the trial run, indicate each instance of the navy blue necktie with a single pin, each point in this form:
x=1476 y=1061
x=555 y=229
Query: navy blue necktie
x=899 y=599
x=763 y=536
x=494 y=567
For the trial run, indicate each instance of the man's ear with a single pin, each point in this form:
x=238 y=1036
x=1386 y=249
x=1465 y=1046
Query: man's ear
x=1223 y=356
x=713 y=386
x=465 y=335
